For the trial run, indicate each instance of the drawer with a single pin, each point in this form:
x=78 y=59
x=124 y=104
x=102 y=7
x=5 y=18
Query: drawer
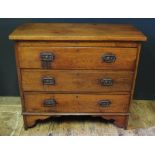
x=77 y=57
x=76 y=103
x=76 y=80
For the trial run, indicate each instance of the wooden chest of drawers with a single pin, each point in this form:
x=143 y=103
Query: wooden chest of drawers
x=76 y=69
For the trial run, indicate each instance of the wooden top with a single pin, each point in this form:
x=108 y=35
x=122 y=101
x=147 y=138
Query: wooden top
x=77 y=31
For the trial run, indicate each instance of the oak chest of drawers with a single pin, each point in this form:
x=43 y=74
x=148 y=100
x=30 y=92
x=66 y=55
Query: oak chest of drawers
x=76 y=69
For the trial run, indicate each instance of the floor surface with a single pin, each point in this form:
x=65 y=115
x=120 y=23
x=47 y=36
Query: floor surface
x=141 y=122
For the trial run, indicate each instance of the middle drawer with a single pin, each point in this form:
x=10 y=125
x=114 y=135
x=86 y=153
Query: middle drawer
x=76 y=80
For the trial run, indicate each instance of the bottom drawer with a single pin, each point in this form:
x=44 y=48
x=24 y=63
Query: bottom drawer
x=76 y=103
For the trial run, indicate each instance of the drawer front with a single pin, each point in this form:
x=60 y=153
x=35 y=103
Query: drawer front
x=76 y=80
x=76 y=103
x=77 y=57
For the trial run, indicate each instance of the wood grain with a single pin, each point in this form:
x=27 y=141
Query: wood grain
x=76 y=31
x=119 y=121
x=73 y=114
x=73 y=103
x=30 y=121
x=74 y=43
x=76 y=80
x=77 y=69
x=78 y=57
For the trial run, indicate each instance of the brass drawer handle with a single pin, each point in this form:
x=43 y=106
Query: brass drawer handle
x=46 y=59
x=106 y=82
x=109 y=58
x=48 y=81
x=105 y=103
x=49 y=103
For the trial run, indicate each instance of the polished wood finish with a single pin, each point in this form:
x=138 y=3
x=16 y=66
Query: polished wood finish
x=76 y=31
x=38 y=43
x=77 y=68
x=78 y=103
x=72 y=114
x=30 y=121
x=78 y=57
x=119 y=120
x=76 y=80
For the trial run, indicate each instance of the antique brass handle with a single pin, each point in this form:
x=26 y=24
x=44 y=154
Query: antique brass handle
x=104 y=103
x=106 y=82
x=49 y=103
x=46 y=59
x=109 y=58
x=48 y=81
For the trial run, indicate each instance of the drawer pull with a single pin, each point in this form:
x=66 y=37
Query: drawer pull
x=104 y=103
x=46 y=59
x=48 y=81
x=49 y=103
x=109 y=58
x=106 y=82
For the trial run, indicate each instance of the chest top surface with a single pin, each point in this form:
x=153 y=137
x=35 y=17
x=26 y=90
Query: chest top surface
x=77 y=31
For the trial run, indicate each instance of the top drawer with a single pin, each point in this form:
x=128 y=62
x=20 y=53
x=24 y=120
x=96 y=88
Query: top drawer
x=77 y=58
